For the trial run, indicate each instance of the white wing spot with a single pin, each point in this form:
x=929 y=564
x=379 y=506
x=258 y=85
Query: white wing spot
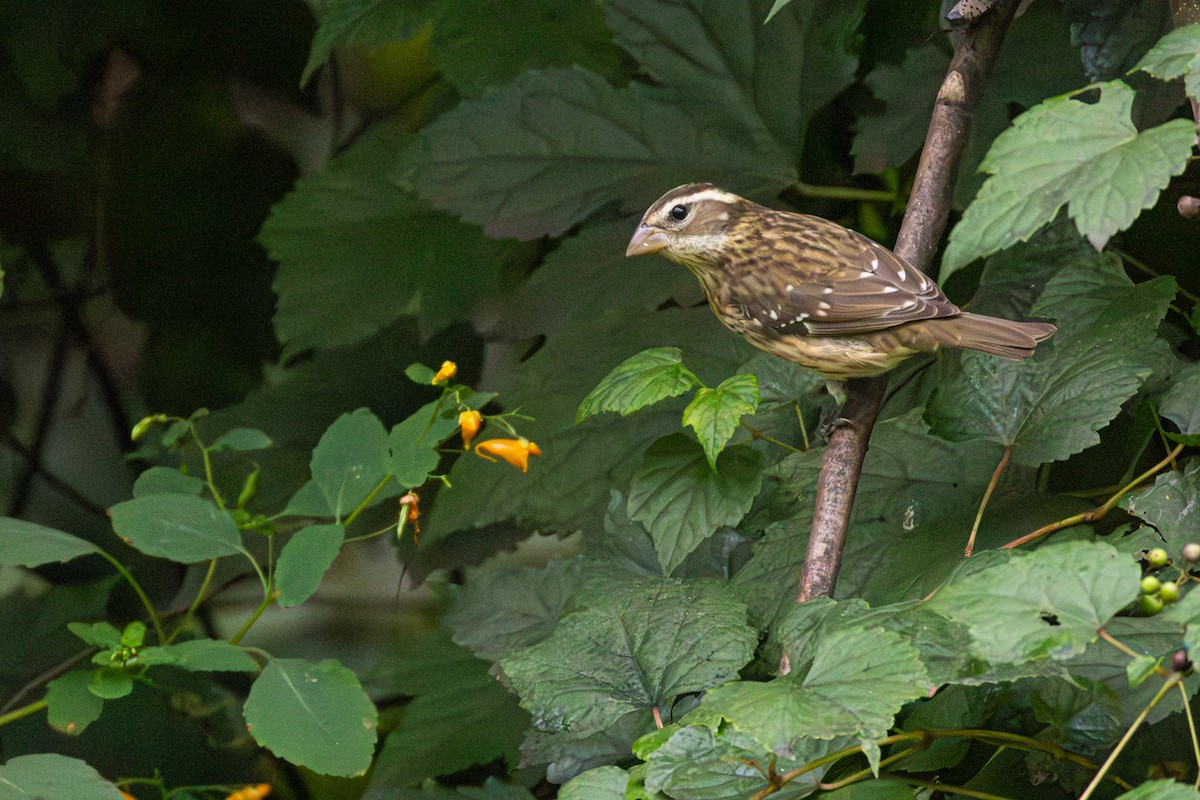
x=909 y=304
x=773 y=314
x=801 y=317
x=866 y=273
x=889 y=289
x=874 y=264
x=823 y=306
x=901 y=274
x=827 y=290
x=791 y=288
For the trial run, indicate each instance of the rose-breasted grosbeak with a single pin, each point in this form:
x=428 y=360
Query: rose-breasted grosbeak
x=810 y=291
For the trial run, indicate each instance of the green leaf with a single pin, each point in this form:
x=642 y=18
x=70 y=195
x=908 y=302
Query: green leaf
x=555 y=146
x=636 y=646
x=350 y=460
x=365 y=23
x=70 y=705
x=703 y=764
x=27 y=544
x=178 y=527
x=460 y=715
x=313 y=715
x=682 y=501
x=502 y=609
x=356 y=251
x=420 y=374
x=1049 y=603
x=601 y=783
x=305 y=559
x=1170 y=506
x=856 y=682
x=1176 y=55
x=716 y=413
x=134 y=634
x=497 y=41
x=201 y=655
x=98 y=634
x=1140 y=668
x=639 y=381
x=110 y=683
x=1160 y=790
x=1052 y=406
x=49 y=776
x=242 y=439
x=166 y=480
x=1089 y=158
x=413 y=443
x=1179 y=404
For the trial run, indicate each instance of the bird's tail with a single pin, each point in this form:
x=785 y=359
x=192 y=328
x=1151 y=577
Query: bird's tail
x=998 y=337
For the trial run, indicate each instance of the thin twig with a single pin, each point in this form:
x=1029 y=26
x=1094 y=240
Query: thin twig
x=987 y=495
x=1168 y=684
x=1099 y=511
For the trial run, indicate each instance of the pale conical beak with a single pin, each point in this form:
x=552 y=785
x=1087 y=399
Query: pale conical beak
x=647 y=240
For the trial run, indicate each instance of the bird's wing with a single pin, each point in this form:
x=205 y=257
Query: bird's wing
x=825 y=279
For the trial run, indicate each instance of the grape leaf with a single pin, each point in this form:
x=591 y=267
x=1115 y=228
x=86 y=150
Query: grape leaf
x=356 y=251
x=1047 y=603
x=365 y=23
x=1176 y=55
x=1051 y=406
x=1160 y=790
x=601 y=783
x=634 y=647
x=314 y=715
x=1089 y=158
x=1179 y=404
x=682 y=501
x=639 y=381
x=856 y=682
x=716 y=413
x=541 y=155
x=1170 y=506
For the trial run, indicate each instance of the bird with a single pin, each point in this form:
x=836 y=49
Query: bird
x=814 y=292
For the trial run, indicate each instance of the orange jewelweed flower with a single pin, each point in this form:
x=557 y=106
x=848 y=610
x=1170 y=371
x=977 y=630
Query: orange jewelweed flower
x=514 y=451
x=470 y=422
x=251 y=792
x=447 y=371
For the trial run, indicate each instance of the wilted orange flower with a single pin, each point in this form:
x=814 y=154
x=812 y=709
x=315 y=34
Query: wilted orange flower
x=447 y=371
x=251 y=792
x=470 y=422
x=514 y=451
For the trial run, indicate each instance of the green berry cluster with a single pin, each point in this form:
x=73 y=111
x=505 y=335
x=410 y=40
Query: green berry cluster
x=1158 y=593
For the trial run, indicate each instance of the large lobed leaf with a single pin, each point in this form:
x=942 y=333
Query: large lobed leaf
x=639 y=381
x=1051 y=406
x=1064 y=152
x=1048 y=603
x=1176 y=55
x=682 y=500
x=714 y=414
x=635 y=647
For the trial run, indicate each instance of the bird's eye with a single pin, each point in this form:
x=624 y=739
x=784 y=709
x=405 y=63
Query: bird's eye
x=679 y=213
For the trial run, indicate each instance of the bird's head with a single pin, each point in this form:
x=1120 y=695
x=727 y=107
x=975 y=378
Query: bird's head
x=688 y=224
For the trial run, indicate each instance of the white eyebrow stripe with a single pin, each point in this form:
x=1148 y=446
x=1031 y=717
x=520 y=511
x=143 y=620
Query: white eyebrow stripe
x=706 y=194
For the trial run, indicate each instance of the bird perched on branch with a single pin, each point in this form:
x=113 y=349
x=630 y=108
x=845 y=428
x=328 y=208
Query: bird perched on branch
x=813 y=292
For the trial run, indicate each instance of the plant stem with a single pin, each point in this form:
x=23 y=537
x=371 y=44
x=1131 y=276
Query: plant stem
x=208 y=468
x=187 y=616
x=946 y=789
x=844 y=192
x=803 y=427
x=137 y=588
x=987 y=495
x=1168 y=684
x=22 y=712
x=267 y=600
x=1187 y=714
x=1099 y=511
x=865 y=773
x=757 y=434
x=367 y=500
x=1126 y=649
